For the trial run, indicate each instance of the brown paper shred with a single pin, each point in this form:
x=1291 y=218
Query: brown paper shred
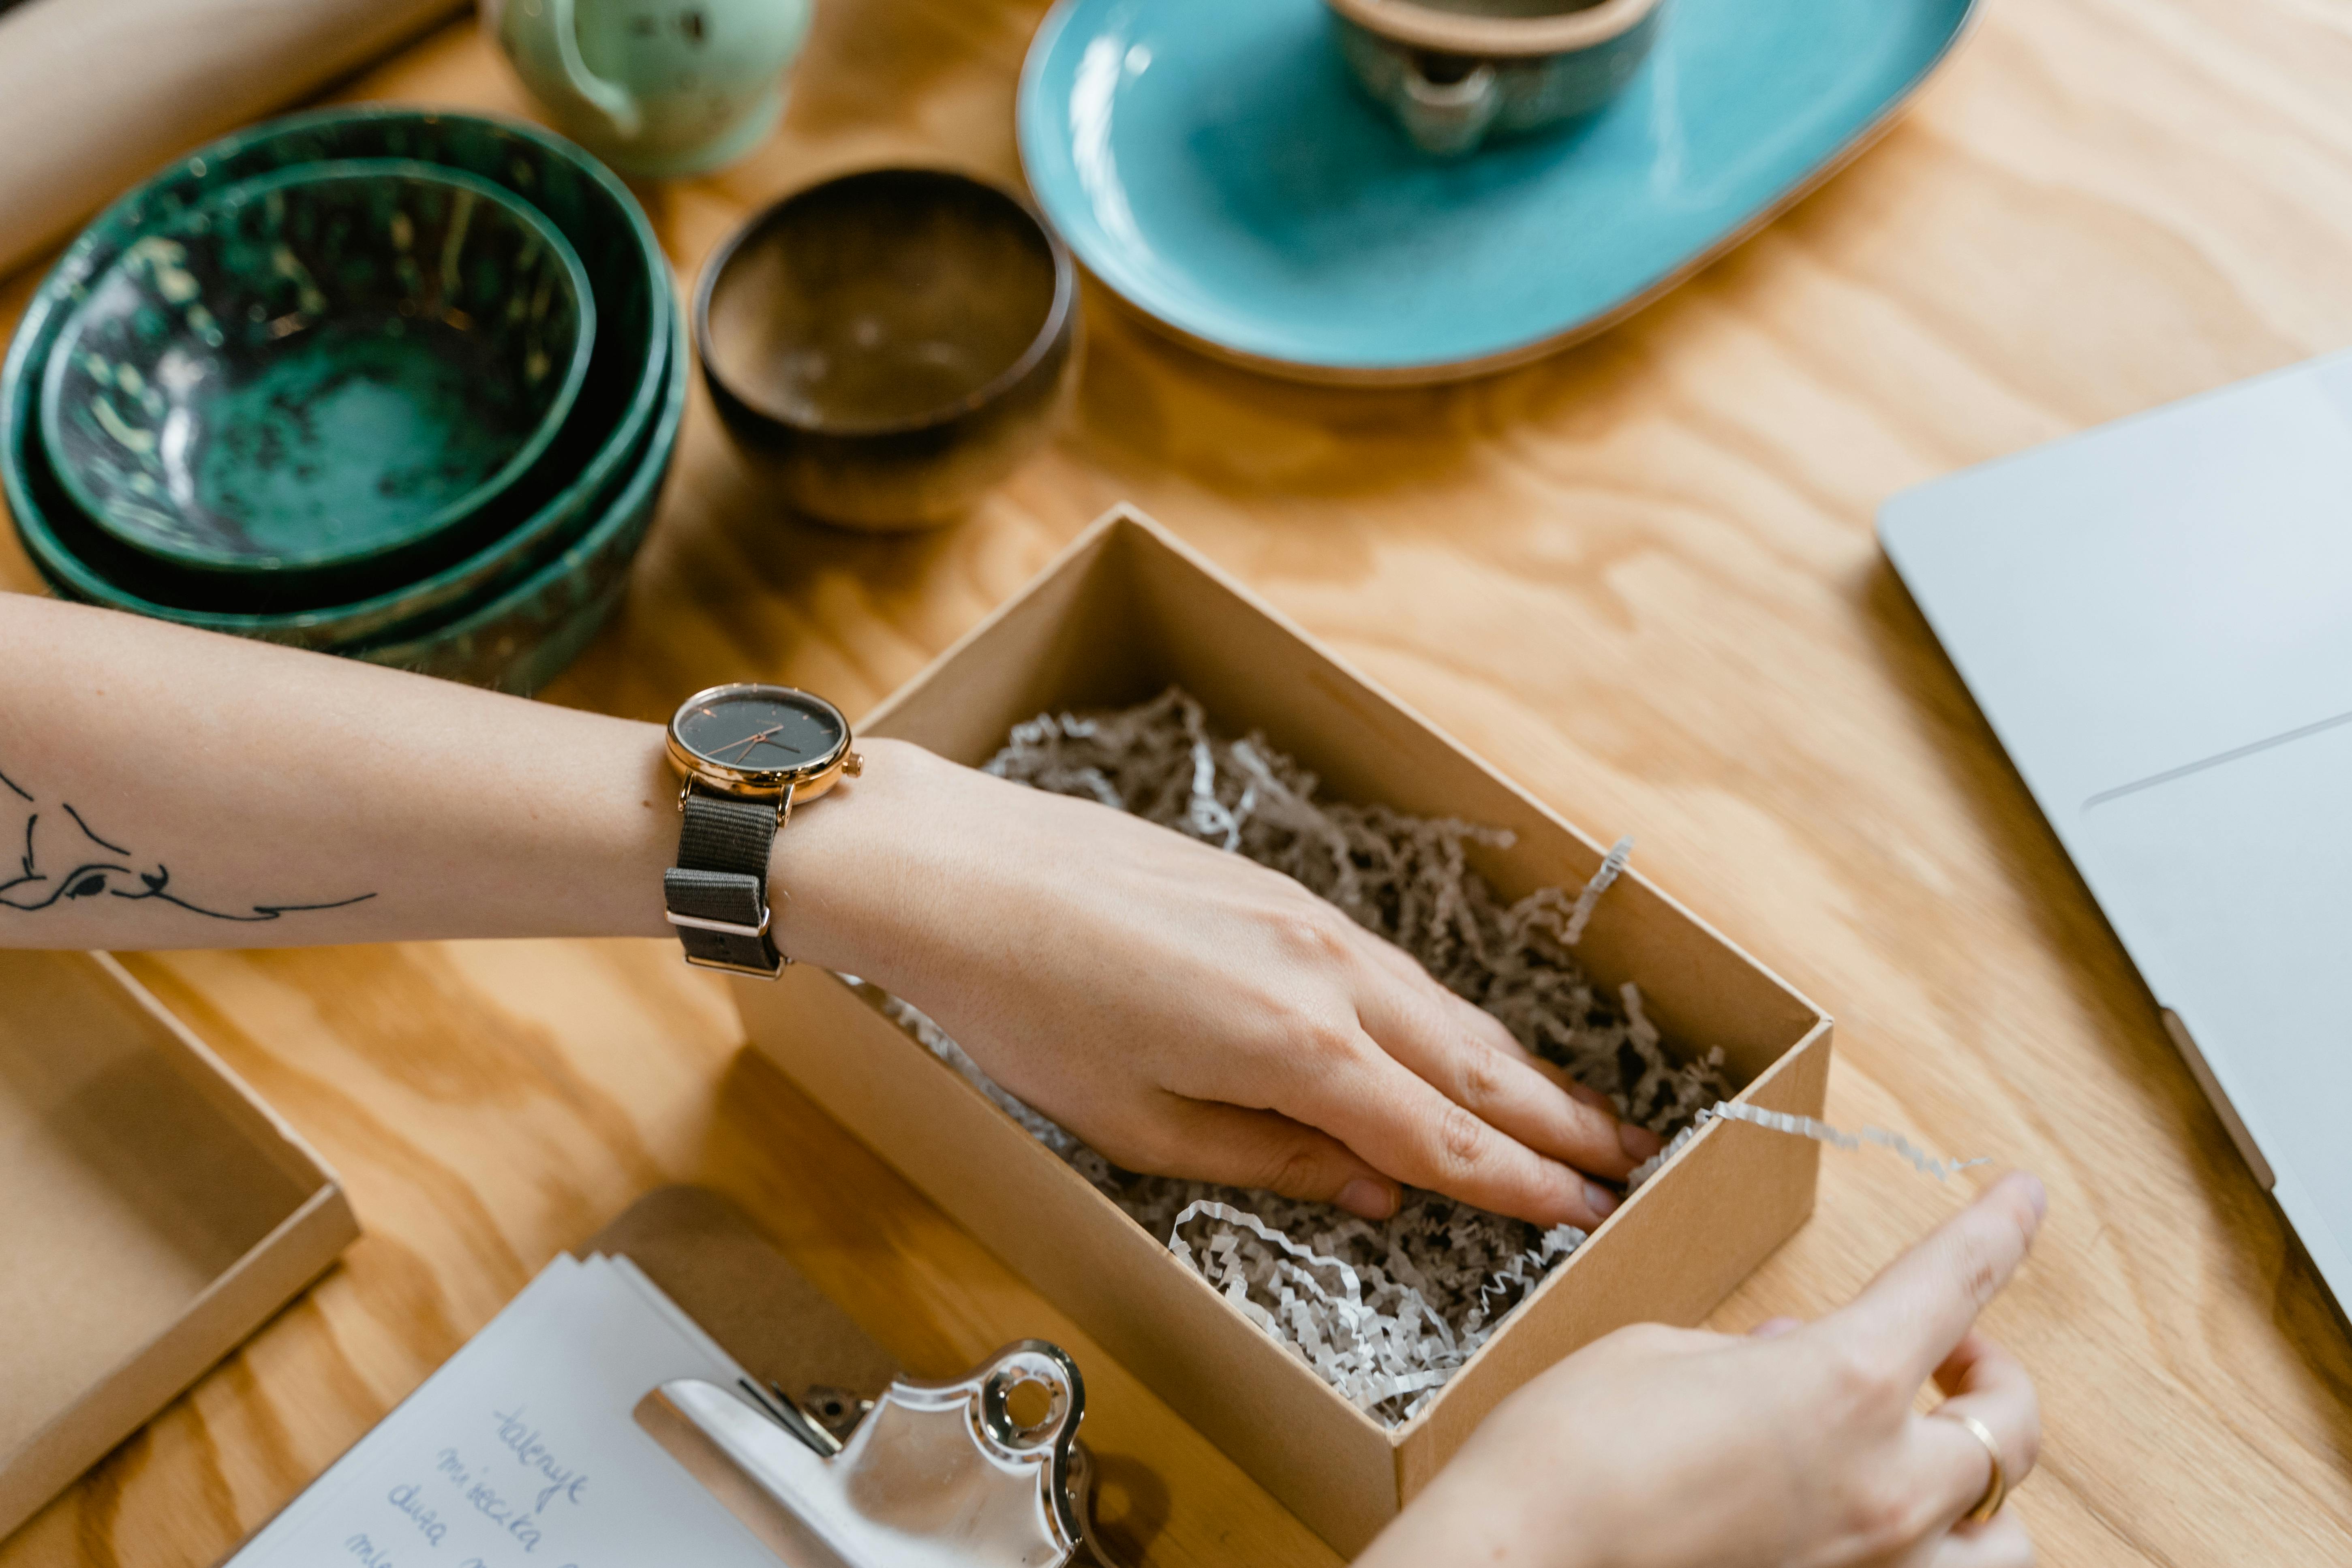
x=1385 y=1312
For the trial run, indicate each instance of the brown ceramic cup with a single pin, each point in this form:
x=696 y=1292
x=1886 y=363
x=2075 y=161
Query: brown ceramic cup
x=888 y=345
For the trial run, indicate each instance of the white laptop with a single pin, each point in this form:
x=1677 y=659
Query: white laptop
x=2157 y=619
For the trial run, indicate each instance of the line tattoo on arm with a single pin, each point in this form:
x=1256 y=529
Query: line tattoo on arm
x=64 y=861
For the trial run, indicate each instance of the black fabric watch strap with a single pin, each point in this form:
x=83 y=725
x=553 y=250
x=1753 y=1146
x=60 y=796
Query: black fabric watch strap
x=718 y=891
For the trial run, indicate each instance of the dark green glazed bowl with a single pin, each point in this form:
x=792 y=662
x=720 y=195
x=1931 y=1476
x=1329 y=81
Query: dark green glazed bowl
x=333 y=369
x=524 y=638
x=607 y=431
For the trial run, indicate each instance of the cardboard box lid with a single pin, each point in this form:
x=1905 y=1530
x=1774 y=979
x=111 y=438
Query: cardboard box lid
x=152 y=1214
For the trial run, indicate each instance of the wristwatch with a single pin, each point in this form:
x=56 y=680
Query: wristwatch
x=745 y=754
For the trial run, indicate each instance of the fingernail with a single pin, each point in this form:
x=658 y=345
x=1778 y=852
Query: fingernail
x=2040 y=1196
x=1637 y=1141
x=1367 y=1199
x=1600 y=1199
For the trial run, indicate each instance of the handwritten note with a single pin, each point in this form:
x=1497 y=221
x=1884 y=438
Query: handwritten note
x=522 y=1451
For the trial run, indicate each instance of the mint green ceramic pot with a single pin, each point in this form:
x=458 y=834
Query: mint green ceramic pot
x=660 y=90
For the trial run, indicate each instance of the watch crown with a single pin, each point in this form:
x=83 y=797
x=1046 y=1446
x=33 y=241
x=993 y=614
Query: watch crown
x=853 y=766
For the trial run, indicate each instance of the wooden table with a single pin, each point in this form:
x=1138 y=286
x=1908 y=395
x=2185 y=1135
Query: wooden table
x=1639 y=577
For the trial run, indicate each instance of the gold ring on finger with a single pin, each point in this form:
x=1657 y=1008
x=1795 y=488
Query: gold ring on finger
x=1996 y=1490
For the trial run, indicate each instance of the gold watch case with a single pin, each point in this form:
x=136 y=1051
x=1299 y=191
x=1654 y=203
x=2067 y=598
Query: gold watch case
x=784 y=786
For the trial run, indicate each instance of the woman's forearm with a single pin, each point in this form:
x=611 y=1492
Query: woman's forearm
x=170 y=788
x=1182 y=1009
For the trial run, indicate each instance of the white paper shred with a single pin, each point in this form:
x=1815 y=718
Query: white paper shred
x=1926 y=1165
x=1611 y=865
x=1384 y=1310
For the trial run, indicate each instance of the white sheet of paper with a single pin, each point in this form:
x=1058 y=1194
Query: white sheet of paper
x=522 y=1450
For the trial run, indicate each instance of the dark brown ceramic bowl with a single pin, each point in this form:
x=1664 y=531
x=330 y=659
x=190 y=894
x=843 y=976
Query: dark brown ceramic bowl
x=889 y=344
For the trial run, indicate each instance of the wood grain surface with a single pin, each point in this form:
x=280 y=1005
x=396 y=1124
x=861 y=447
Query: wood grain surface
x=1639 y=577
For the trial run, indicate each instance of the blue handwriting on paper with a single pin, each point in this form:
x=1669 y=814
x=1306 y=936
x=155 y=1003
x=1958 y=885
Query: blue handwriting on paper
x=487 y=1500
x=368 y=1552
x=409 y=1499
x=533 y=1454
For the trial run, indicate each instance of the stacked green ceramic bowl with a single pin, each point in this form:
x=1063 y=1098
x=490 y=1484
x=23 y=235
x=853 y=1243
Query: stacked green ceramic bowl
x=504 y=560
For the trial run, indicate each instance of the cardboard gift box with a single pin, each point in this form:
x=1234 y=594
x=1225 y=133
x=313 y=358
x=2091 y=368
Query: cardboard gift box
x=1122 y=615
x=152 y=1214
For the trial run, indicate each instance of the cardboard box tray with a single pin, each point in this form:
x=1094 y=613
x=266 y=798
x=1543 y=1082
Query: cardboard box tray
x=1125 y=613
x=152 y=1214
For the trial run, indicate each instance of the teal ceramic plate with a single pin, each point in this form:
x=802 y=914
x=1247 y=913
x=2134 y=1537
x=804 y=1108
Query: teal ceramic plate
x=334 y=366
x=522 y=638
x=599 y=443
x=1215 y=163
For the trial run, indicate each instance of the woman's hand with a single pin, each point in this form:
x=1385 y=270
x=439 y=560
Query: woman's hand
x=1183 y=1010
x=1794 y=1448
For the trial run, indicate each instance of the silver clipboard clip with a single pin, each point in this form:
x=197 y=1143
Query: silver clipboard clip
x=936 y=1475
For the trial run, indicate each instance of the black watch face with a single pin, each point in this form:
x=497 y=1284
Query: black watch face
x=760 y=728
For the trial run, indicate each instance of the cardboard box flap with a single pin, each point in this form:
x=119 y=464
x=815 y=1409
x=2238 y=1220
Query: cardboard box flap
x=150 y=1212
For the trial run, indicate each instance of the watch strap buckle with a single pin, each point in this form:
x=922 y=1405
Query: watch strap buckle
x=757 y=970
x=735 y=902
x=716 y=897
x=722 y=919
x=732 y=928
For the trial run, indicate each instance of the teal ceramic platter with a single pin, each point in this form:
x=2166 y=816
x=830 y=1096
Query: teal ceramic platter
x=522 y=638
x=1215 y=164
x=598 y=446
x=334 y=366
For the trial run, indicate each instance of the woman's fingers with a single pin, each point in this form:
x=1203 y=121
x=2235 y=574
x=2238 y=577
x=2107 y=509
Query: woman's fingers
x=1469 y=1058
x=1409 y=1132
x=1486 y=1026
x=1439 y=1036
x=1909 y=1318
x=1993 y=1399
x=2001 y=1542
x=1916 y=1318
x=1260 y=1149
x=1988 y=1384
